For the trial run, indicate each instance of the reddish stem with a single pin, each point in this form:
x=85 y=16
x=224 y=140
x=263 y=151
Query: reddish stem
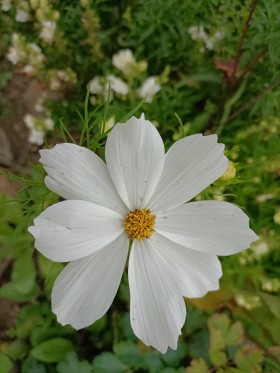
x=242 y=38
x=254 y=99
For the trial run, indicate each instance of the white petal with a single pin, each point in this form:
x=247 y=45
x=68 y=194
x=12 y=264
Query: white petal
x=71 y=230
x=135 y=156
x=157 y=309
x=191 y=164
x=213 y=227
x=75 y=172
x=85 y=289
x=196 y=273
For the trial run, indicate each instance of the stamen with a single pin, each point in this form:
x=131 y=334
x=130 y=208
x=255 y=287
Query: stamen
x=139 y=224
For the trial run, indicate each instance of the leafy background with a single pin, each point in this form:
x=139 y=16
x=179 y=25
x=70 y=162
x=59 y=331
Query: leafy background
x=231 y=89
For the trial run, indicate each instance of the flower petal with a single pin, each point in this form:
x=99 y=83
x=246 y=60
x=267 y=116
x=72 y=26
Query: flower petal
x=71 y=230
x=135 y=156
x=85 y=289
x=191 y=164
x=196 y=273
x=213 y=227
x=157 y=309
x=76 y=173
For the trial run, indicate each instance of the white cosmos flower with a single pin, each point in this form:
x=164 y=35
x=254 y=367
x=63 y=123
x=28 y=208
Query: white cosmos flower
x=139 y=194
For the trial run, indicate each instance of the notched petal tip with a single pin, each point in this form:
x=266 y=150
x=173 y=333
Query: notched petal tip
x=42 y=152
x=35 y=231
x=134 y=121
x=64 y=322
x=72 y=324
x=45 y=153
x=254 y=236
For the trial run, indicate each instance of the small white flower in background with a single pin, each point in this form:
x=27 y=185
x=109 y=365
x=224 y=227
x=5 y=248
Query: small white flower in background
x=49 y=124
x=95 y=87
x=209 y=44
x=48 y=30
x=39 y=105
x=248 y=301
x=29 y=54
x=219 y=35
x=58 y=77
x=198 y=33
x=29 y=121
x=35 y=57
x=117 y=85
x=22 y=16
x=138 y=196
x=36 y=49
x=36 y=137
x=23 y=12
x=202 y=33
x=63 y=75
x=124 y=61
x=37 y=128
x=15 y=38
x=272 y=285
x=6 y=5
x=54 y=84
x=28 y=69
x=264 y=197
x=276 y=217
x=149 y=89
x=260 y=248
x=110 y=122
x=13 y=55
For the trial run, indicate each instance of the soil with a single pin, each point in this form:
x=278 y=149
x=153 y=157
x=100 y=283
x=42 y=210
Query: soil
x=16 y=155
x=17 y=99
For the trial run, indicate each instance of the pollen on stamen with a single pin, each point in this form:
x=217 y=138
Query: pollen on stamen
x=139 y=224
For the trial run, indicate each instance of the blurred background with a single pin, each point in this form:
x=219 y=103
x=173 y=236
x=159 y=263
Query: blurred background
x=209 y=66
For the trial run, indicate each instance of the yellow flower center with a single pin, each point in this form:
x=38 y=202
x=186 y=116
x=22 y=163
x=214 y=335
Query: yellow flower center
x=139 y=224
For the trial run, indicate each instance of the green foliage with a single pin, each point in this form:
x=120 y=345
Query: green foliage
x=197 y=366
x=5 y=363
x=52 y=350
x=227 y=343
x=72 y=365
x=49 y=271
x=4 y=79
x=108 y=363
x=248 y=359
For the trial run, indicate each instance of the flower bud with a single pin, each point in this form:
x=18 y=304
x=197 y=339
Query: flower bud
x=230 y=172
